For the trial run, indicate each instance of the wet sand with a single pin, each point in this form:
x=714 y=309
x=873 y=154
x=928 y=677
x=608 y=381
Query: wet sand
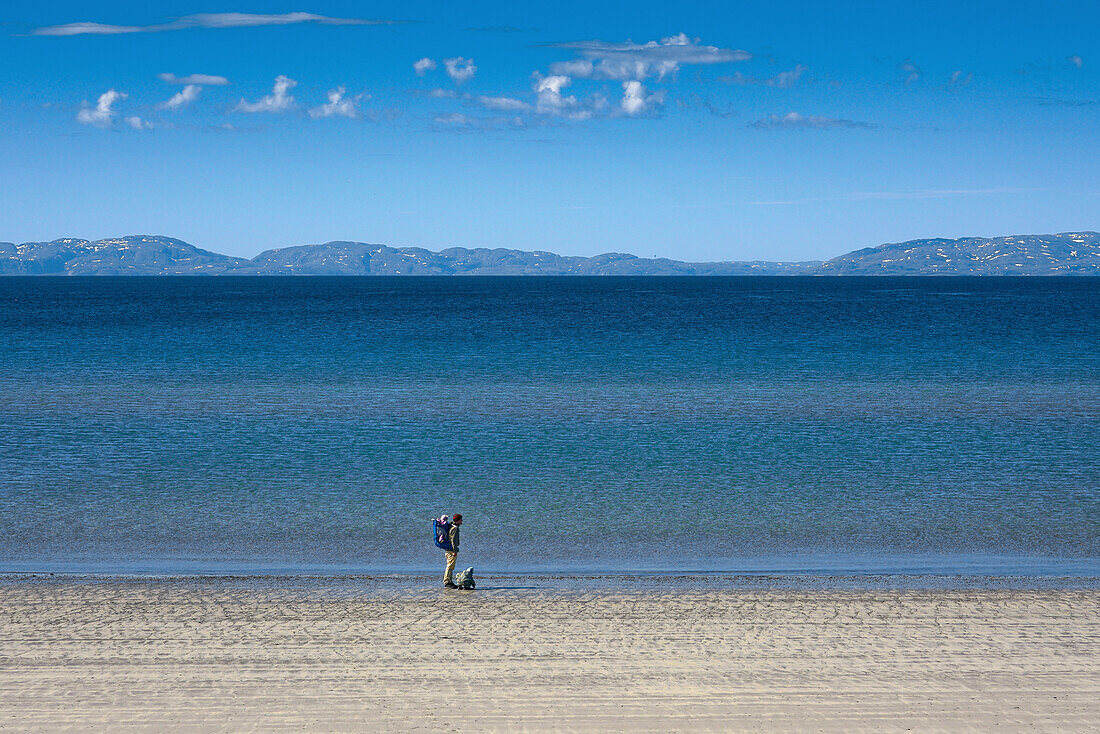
x=215 y=654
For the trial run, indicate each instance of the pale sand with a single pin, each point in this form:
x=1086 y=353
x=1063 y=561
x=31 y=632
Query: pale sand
x=209 y=655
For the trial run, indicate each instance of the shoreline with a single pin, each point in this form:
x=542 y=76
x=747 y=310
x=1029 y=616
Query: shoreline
x=1082 y=573
x=156 y=655
x=599 y=581
x=839 y=565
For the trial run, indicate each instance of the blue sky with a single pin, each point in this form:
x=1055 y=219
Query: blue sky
x=700 y=131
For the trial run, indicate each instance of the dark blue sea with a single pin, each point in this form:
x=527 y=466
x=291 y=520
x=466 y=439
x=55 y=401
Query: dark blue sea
x=581 y=425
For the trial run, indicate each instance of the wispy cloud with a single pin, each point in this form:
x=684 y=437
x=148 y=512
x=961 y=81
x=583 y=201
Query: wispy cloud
x=579 y=68
x=499 y=103
x=338 y=105
x=278 y=101
x=103 y=114
x=937 y=193
x=502 y=104
x=200 y=79
x=202 y=20
x=782 y=80
x=423 y=66
x=1052 y=66
x=695 y=101
x=459 y=122
x=912 y=71
x=639 y=61
x=723 y=112
x=1056 y=102
x=796 y=121
x=454 y=118
x=138 y=124
x=494 y=29
x=959 y=79
x=182 y=98
x=460 y=69
x=787 y=79
x=893 y=195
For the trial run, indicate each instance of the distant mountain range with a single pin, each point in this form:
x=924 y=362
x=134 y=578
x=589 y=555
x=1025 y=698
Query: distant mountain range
x=1069 y=253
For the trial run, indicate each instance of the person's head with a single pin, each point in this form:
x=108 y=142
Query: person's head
x=457 y=518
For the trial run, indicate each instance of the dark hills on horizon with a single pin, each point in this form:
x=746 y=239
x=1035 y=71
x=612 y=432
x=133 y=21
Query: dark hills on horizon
x=1068 y=253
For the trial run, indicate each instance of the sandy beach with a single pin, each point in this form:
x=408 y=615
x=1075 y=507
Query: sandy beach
x=220 y=654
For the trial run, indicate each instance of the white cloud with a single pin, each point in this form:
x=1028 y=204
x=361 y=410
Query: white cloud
x=338 y=105
x=182 y=98
x=278 y=101
x=460 y=69
x=139 y=124
x=440 y=93
x=637 y=61
x=551 y=101
x=423 y=66
x=102 y=115
x=1076 y=60
x=203 y=20
x=503 y=104
x=200 y=79
x=795 y=121
x=636 y=101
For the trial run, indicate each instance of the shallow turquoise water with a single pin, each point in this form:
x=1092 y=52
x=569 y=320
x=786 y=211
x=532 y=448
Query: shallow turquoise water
x=611 y=424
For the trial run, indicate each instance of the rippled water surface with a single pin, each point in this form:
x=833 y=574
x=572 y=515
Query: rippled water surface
x=727 y=424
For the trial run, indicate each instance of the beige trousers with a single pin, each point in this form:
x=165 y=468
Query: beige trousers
x=448 y=575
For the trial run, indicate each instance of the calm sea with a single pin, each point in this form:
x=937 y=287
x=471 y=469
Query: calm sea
x=580 y=424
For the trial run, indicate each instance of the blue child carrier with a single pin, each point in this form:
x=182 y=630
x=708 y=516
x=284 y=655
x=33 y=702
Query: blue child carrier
x=441 y=531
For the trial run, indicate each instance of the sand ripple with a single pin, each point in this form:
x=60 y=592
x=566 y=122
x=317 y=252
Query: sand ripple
x=214 y=656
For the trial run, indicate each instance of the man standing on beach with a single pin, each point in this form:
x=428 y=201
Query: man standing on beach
x=452 y=555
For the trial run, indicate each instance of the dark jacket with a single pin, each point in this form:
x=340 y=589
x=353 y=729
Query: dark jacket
x=453 y=536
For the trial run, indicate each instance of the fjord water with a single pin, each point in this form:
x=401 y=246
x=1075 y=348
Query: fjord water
x=580 y=424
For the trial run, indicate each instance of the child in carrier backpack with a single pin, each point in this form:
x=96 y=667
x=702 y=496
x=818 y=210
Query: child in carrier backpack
x=447 y=537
